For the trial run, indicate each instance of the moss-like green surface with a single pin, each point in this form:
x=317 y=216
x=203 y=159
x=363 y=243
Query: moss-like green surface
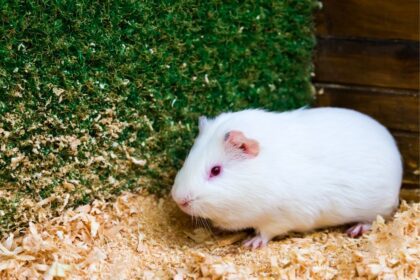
x=89 y=89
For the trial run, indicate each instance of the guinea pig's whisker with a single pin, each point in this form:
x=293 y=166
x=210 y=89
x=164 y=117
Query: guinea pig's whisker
x=204 y=222
x=195 y=219
x=205 y=225
x=201 y=223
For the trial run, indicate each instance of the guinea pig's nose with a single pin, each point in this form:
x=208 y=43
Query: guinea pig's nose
x=185 y=202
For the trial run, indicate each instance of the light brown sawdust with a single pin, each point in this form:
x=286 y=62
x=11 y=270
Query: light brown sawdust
x=143 y=237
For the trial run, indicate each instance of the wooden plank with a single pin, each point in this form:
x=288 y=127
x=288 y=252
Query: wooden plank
x=410 y=195
x=380 y=19
x=392 y=64
x=408 y=144
x=396 y=109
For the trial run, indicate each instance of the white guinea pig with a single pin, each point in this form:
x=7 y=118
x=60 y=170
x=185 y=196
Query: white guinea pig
x=291 y=171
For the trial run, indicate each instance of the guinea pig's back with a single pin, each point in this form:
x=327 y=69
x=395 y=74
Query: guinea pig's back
x=349 y=139
x=344 y=155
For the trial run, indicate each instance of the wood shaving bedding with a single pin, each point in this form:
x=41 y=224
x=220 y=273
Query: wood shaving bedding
x=143 y=237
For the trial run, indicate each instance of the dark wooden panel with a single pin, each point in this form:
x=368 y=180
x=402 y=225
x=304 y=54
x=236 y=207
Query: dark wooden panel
x=410 y=194
x=409 y=148
x=381 y=19
x=374 y=63
x=397 y=110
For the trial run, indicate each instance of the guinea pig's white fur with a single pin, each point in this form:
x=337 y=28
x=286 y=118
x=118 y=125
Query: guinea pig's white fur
x=315 y=168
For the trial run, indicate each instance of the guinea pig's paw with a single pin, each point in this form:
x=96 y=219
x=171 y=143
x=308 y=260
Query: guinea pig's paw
x=256 y=242
x=358 y=230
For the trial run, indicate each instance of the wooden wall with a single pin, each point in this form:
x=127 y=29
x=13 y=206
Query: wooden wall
x=367 y=58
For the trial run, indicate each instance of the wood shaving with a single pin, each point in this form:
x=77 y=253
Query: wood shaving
x=143 y=237
x=199 y=235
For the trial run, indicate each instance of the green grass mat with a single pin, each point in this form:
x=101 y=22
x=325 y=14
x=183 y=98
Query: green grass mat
x=98 y=97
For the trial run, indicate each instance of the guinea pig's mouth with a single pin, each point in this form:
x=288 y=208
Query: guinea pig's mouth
x=192 y=207
x=186 y=205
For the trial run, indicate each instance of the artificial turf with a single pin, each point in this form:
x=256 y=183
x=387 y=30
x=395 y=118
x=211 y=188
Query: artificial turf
x=98 y=97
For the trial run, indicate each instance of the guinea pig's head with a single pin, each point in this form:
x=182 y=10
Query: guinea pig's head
x=217 y=176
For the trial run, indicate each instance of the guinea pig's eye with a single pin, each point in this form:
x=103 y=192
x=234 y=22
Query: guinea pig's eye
x=215 y=170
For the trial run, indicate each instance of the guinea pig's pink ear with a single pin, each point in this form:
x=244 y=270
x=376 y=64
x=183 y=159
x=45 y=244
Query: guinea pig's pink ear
x=238 y=141
x=202 y=122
